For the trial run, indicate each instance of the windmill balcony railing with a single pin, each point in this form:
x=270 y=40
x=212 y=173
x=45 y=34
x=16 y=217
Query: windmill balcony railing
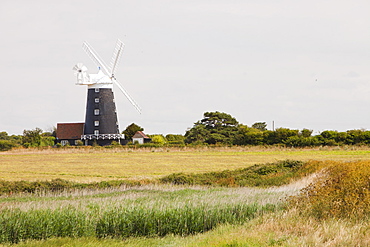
x=102 y=136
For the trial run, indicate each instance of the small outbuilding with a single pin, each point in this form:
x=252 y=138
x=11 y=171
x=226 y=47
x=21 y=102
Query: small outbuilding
x=140 y=138
x=69 y=133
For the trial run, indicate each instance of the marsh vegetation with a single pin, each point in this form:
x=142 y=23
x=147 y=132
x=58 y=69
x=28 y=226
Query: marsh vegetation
x=281 y=203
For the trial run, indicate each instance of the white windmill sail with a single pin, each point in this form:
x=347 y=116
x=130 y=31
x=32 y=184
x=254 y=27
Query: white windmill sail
x=110 y=70
x=132 y=101
x=94 y=56
x=116 y=56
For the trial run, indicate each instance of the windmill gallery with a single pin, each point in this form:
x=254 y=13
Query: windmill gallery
x=101 y=122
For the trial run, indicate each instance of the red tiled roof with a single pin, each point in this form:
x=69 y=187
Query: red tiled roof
x=140 y=134
x=70 y=130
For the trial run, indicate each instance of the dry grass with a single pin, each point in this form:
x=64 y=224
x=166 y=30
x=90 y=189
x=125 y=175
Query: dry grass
x=287 y=229
x=341 y=191
x=98 y=164
x=152 y=194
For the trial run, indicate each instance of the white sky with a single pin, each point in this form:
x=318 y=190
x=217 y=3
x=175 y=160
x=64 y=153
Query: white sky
x=301 y=64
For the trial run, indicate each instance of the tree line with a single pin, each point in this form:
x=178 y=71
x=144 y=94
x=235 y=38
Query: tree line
x=30 y=138
x=215 y=128
x=222 y=128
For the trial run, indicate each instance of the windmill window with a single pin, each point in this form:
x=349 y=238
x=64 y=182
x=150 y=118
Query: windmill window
x=96 y=132
x=96 y=111
x=96 y=100
x=96 y=123
x=96 y=90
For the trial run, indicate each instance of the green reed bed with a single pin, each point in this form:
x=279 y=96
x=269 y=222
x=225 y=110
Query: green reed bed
x=138 y=222
x=17 y=225
x=121 y=222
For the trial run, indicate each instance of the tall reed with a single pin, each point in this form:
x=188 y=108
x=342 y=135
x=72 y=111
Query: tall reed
x=17 y=225
x=149 y=222
x=124 y=221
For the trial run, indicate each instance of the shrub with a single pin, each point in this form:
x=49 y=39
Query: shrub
x=47 y=141
x=79 y=143
x=6 y=145
x=178 y=178
x=158 y=139
x=115 y=144
x=175 y=139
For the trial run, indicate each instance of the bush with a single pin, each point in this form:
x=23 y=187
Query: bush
x=6 y=145
x=32 y=138
x=79 y=143
x=158 y=139
x=47 y=141
x=178 y=178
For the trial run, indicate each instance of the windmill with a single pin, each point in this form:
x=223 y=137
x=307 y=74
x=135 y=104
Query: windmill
x=101 y=122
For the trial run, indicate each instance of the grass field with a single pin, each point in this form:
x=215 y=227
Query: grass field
x=87 y=165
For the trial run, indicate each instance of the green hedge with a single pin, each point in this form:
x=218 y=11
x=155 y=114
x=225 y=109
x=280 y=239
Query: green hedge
x=263 y=175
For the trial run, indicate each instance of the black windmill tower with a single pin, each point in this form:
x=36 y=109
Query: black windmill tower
x=101 y=122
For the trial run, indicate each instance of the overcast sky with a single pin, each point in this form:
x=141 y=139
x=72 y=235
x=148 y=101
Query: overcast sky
x=301 y=64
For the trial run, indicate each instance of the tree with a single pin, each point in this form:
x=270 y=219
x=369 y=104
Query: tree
x=158 y=139
x=47 y=141
x=32 y=138
x=215 y=127
x=260 y=126
x=218 y=120
x=175 y=139
x=197 y=134
x=4 y=136
x=7 y=142
x=301 y=141
x=306 y=133
x=329 y=137
x=329 y=134
x=52 y=131
x=6 y=145
x=130 y=131
x=248 y=136
x=355 y=136
x=279 y=136
x=14 y=140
